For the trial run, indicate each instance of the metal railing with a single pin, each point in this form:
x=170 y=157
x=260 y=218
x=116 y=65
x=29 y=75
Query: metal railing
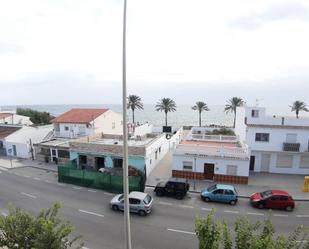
x=294 y=147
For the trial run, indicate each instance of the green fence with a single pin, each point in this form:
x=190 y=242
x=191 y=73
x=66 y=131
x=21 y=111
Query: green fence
x=97 y=180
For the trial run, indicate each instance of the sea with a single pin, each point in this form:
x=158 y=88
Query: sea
x=183 y=116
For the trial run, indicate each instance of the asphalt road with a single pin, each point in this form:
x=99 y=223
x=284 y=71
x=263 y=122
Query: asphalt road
x=170 y=225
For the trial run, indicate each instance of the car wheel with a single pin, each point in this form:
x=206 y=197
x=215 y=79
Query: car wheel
x=179 y=196
x=289 y=208
x=206 y=199
x=233 y=202
x=115 y=208
x=260 y=205
x=159 y=192
x=142 y=213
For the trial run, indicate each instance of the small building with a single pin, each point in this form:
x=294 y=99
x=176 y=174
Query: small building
x=278 y=144
x=145 y=150
x=211 y=157
x=18 y=142
x=75 y=124
x=10 y=117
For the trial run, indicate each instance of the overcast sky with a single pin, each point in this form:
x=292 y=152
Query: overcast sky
x=69 y=51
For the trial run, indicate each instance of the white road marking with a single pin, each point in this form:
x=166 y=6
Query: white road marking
x=180 y=231
x=165 y=203
x=186 y=206
x=281 y=215
x=258 y=214
x=207 y=209
x=88 y=212
x=231 y=212
x=29 y=195
x=85 y=247
x=93 y=191
x=26 y=176
x=36 y=178
x=110 y=194
x=78 y=188
x=302 y=216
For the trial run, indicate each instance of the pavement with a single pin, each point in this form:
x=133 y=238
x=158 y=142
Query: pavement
x=258 y=182
x=170 y=225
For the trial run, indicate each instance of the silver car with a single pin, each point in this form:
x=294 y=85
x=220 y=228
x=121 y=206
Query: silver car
x=140 y=203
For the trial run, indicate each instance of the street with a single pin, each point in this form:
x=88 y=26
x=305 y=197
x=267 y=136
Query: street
x=170 y=225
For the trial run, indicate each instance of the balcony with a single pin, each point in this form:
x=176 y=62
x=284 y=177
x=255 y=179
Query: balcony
x=294 y=147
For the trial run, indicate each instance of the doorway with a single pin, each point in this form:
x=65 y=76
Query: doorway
x=99 y=162
x=209 y=171
x=265 y=162
x=252 y=162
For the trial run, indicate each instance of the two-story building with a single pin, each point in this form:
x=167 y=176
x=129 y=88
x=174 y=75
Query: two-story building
x=74 y=124
x=278 y=144
x=211 y=157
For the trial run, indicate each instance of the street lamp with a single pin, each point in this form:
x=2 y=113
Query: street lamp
x=128 y=244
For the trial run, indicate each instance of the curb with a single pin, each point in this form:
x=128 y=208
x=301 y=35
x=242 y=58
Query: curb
x=239 y=196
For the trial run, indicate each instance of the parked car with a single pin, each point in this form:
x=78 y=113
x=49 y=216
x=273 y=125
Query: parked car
x=220 y=193
x=139 y=202
x=273 y=199
x=177 y=187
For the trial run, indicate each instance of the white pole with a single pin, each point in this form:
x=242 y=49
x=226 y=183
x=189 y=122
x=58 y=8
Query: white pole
x=125 y=137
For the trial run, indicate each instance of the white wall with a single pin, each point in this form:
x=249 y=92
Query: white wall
x=220 y=164
x=22 y=149
x=74 y=130
x=240 y=126
x=16 y=119
x=104 y=123
x=143 y=129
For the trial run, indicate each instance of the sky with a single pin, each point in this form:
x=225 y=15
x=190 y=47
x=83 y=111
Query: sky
x=70 y=51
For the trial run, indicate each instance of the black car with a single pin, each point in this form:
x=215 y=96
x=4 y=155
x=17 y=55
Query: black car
x=177 y=187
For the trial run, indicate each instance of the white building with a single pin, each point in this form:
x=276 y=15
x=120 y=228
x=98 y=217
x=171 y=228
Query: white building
x=278 y=144
x=83 y=122
x=20 y=142
x=12 y=118
x=211 y=157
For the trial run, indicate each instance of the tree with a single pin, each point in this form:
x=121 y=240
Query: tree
x=21 y=230
x=213 y=234
x=36 y=117
x=298 y=106
x=200 y=106
x=166 y=105
x=232 y=105
x=134 y=102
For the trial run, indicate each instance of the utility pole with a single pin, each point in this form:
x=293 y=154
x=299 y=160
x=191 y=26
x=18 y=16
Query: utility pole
x=128 y=244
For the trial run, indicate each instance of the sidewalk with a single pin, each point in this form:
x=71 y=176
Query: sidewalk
x=258 y=182
x=7 y=164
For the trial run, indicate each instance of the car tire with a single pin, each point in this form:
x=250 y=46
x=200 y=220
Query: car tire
x=179 y=196
x=115 y=207
x=159 y=192
x=142 y=213
x=289 y=208
x=233 y=202
x=260 y=205
x=207 y=199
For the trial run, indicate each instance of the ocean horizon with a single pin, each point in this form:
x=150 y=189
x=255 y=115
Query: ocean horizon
x=184 y=115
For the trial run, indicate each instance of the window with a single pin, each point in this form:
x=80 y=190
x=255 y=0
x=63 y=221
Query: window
x=218 y=192
x=262 y=137
x=45 y=151
x=82 y=159
x=117 y=162
x=159 y=149
x=156 y=154
x=113 y=125
x=274 y=198
x=66 y=128
x=284 y=161
x=304 y=162
x=134 y=201
x=229 y=192
x=187 y=166
x=255 y=113
x=63 y=154
x=147 y=199
x=283 y=198
x=231 y=170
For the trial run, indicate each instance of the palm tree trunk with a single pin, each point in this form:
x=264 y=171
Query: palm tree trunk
x=133 y=116
x=165 y=118
x=200 y=119
x=234 y=119
x=297 y=112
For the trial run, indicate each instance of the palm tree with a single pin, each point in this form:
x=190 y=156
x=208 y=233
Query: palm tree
x=200 y=106
x=166 y=105
x=231 y=106
x=134 y=102
x=298 y=106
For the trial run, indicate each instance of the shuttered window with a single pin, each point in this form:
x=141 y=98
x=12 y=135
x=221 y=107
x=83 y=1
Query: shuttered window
x=304 y=162
x=187 y=166
x=284 y=161
x=231 y=170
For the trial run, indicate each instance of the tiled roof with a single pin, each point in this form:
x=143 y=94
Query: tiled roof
x=5 y=115
x=6 y=131
x=79 y=116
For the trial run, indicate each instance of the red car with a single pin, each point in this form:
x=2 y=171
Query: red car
x=273 y=199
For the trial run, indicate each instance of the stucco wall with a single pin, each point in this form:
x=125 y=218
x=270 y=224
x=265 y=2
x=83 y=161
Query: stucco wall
x=104 y=123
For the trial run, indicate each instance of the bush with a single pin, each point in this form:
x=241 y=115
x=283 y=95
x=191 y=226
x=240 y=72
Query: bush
x=221 y=131
x=36 y=117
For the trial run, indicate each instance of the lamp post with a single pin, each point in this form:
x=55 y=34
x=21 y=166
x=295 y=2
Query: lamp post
x=125 y=136
x=194 y=173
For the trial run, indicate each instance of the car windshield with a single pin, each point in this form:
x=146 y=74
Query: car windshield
x=211 y=188
x=147 y=199
x=120 y=197
x=266 y=194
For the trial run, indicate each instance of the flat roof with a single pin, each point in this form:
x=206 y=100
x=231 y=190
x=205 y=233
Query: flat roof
x=108 y=141
x=57 y=142
x=210 y=143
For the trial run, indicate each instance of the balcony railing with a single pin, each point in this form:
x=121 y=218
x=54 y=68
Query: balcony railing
x=215 y=138
x=291 y=147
